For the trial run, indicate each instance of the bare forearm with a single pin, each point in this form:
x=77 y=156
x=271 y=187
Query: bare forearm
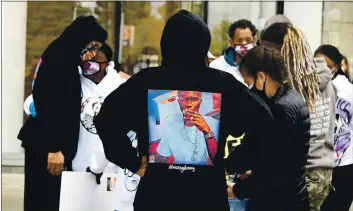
x=212 y=147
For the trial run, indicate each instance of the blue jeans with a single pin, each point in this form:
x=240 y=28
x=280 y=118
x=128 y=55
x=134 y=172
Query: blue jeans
x=238 y=205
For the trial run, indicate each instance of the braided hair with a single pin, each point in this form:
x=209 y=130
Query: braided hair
x=298 y=58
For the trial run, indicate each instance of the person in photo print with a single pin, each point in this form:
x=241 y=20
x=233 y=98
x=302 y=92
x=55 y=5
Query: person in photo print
x=190 y=138
x=96 y=106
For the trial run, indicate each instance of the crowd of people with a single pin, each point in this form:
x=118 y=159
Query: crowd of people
x=294 y=107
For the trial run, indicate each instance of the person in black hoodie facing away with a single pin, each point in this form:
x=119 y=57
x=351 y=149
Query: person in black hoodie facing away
x=264 y=68
x=50 y=139
x=182 y=106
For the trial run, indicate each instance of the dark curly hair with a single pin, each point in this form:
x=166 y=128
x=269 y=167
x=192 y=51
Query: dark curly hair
x=242 y=24
x=107 y=51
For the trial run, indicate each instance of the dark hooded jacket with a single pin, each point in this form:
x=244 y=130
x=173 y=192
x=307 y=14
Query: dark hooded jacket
x=287 y=190
x=57 y=91
x=173 y=185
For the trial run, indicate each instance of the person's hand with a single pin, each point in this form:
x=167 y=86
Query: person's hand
x=124 y=75
x=230 y=190
x=98 y=176
x=197 y=119
x=89 y=55
x=55 y=163
x=141 y=172
x=91 y=50
x=245 y=175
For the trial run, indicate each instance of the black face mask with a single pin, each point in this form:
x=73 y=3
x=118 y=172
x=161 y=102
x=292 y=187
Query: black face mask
x=261 y=93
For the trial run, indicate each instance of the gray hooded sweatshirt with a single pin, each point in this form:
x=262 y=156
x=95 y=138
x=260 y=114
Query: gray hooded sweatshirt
x=321 y=153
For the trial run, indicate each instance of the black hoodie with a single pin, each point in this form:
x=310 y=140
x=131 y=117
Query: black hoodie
x=57 y=91
x=185 y=172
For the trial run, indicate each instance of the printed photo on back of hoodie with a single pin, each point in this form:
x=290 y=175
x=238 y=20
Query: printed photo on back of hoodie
x=183 y=126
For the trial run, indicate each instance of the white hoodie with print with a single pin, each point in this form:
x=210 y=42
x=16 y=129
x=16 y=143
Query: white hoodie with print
x=344 y=132
x=90 y=152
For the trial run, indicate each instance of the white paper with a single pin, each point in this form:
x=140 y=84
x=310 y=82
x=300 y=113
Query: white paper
x=80 y=192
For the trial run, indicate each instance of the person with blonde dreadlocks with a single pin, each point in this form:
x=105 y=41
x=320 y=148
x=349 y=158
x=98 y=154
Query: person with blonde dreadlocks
x=298 y=58
x=311 y=78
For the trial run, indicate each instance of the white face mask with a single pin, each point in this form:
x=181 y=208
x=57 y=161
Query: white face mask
x=242 y=50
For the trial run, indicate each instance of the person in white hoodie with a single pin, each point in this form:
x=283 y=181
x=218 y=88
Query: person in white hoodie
x=98 y=80
x=341 y=197
x=242 y=34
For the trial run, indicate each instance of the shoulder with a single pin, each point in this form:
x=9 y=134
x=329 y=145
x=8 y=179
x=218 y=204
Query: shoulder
x=342 y=84
x=292 y=105
x=138 y=83
x=291 y=99
x=249 y=103
x=257 y=103
x=114 y=74
x=218 y=63
x=114 y=78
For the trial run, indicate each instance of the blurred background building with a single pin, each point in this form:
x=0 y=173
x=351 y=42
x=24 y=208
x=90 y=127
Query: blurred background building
x=134 y=30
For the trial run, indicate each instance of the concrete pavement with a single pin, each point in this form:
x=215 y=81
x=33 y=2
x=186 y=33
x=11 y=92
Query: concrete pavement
x=12 y=192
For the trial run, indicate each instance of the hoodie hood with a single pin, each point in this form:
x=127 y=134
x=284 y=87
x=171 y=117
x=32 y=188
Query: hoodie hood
x=185 y=41
x=75 y=38
x=277 y=19
x=229 y=56
x=324 y=73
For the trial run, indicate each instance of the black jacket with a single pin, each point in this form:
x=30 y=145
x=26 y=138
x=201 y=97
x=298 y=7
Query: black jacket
x=292 y=132
x=291 y=135
x=57 y=91
x=176 y=185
